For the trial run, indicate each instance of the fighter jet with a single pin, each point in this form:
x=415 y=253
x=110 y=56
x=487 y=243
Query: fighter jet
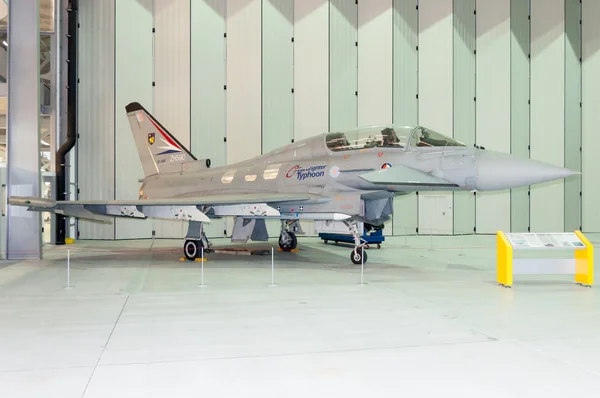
x=345 y=176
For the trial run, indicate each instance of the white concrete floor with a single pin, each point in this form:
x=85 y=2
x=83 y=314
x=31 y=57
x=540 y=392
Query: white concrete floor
x=430 y=321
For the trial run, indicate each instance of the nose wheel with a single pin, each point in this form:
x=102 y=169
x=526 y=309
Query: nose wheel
x=192 y=249
x=358 y=256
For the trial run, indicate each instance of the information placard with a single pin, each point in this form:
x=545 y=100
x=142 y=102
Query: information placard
x=561 y=240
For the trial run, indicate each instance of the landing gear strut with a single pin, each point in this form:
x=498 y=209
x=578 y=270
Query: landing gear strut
x=287 y=239
x=358 y=254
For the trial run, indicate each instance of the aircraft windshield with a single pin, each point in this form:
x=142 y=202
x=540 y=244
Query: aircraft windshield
x=424 y=137
x=370 y=137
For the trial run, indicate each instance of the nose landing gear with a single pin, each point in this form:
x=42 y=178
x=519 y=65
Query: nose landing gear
x=359 y=254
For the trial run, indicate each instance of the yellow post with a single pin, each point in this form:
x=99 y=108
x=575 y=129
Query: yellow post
x=504 y=255
x=584 y=262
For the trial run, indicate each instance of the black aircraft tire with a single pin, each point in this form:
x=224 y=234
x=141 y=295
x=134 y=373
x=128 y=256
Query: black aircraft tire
x=355 y=256
x=294 y=240
x=192 y=249
x=290 y=246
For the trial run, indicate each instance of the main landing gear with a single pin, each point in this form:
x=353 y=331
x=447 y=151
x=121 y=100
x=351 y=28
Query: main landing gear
x=196 y=242
x=287 y=239
x=192 y=249
x=358 y=254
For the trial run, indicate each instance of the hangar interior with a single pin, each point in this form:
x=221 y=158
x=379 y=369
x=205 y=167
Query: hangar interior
x=115 y=313
x=232 y=80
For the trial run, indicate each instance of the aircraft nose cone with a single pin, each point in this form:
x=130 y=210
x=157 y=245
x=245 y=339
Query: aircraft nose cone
x=497 y=171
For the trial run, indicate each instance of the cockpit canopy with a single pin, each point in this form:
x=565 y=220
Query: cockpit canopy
x=422 y=136
x=388 y=136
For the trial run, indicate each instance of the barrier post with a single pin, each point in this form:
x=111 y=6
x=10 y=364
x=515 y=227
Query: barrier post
x=68 y=270
x=202 y=267
x=362 y=266
x=504 y=255
x=272 y=267
x=584 y=262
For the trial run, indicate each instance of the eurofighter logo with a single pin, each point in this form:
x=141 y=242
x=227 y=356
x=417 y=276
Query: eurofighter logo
x=303 y=173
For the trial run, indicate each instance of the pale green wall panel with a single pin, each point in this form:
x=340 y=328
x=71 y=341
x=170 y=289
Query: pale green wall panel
x=133 y=82
x=311 y=73
x=244 y=59
x=277 y=73
x=519 y=108
x=464 y=103
x=244 y=90
x=572 y=114
x=172 y=77
x=375 y=36
x=277 y=80
x=405 y=87
x=590 y=115
x=493 y=104
x=96 y=109
x=548 y=110
x=311 y=68
x=375 y=78
x=207 y=92
x=436 y=28
x=343 y=22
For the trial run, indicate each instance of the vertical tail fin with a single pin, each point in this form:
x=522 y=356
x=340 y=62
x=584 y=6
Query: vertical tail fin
x=159 y=151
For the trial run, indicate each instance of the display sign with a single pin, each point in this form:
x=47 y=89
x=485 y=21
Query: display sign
x=563 y=240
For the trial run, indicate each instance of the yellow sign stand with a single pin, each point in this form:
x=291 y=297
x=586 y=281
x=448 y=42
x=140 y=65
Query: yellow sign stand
x=584 y=260
x=504 y=256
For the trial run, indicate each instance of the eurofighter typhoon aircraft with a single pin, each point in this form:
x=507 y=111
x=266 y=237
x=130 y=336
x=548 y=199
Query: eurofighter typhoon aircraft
x=349 y=176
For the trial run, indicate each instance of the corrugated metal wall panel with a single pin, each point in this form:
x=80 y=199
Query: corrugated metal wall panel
x=572 y=113
x=102 y=123
x=172 y=79
x=590 y=139
x=95 y=123
x=375 y=83
x=436 y=101
x=172 y=67
x=343 y=58
x=208 y=102
x=311 y=68
x=133 y=82
x=464 y=103
x=277 y=80
x=311 y=73
x=277 y=74
x=244 y=49
x=405 y=87
x=519 y=108
x=375 y=78
x=548 y=110
x=244 y=91
x=493 y=104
